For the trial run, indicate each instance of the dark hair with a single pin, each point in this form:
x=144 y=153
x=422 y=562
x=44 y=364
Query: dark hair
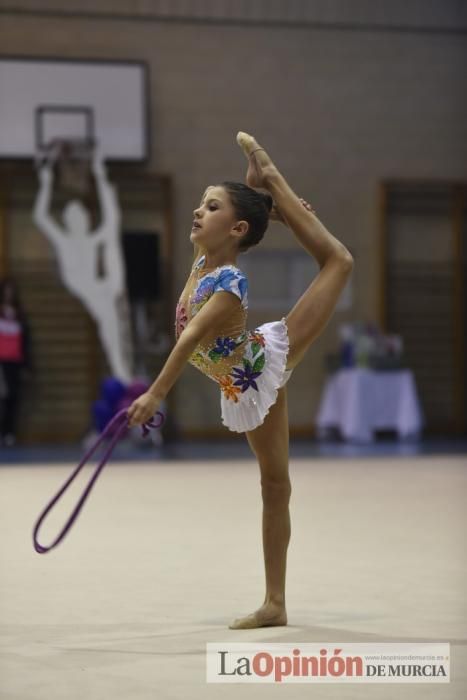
x=251 y=206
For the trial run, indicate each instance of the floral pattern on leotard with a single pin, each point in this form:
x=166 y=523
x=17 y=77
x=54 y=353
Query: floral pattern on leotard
x=228 y=389
x=181 y=318
x=202 y=293
x=210 y=358
x=224 y=347
x=243 y=377
x=229 y=279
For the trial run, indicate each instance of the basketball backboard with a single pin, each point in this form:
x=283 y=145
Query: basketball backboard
x=104 y=102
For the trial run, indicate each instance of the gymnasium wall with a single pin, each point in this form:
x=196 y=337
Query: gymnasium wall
x=341 y=104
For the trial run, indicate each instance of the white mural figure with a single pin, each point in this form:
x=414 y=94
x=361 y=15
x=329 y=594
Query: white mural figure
x=77 y=250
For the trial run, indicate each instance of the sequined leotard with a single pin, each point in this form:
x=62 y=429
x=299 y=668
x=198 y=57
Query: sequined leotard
x=232 y=356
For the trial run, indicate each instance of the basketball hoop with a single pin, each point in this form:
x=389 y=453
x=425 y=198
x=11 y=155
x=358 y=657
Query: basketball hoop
x=73 y=158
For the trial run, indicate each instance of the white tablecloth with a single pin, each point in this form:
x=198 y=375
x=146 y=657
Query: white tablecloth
x=358 y=400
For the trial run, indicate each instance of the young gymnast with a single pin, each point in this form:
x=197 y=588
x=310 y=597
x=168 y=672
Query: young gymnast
x=251 y=367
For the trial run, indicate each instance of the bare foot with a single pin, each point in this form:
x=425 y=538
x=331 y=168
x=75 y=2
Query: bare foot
x=260 y=166
x=268 y=615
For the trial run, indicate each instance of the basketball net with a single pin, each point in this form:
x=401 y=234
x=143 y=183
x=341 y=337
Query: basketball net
x=72 y=159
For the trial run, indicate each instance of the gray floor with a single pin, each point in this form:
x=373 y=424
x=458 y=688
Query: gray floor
x=167 y=552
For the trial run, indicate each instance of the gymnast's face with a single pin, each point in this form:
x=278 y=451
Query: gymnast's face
x=216 y=217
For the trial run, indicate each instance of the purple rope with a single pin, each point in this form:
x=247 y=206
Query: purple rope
x=120 y=430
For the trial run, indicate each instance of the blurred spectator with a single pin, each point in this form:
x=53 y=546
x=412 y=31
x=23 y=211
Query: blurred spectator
x=14 y=356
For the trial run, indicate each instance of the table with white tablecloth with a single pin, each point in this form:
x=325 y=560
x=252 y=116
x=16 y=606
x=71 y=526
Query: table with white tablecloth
x=360 y=400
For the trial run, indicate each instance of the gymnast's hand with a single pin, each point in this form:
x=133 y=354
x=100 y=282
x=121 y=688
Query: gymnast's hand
x=142 y=409
x=275 y=214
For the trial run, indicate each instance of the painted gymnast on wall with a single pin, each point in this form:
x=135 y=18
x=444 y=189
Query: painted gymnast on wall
x=251 y=367
x=76 y=248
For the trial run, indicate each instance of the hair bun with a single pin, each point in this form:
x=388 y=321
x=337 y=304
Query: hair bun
x=268 y=200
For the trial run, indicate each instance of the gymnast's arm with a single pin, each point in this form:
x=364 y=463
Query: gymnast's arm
x=219 y=307
x=107 y=195
x=41 y=209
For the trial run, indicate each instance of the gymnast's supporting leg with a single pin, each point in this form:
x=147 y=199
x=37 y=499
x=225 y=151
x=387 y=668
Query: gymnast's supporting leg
x=305 y=322
x=270 y=444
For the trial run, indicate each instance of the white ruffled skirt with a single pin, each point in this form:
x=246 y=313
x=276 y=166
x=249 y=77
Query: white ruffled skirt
x=247 y=409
